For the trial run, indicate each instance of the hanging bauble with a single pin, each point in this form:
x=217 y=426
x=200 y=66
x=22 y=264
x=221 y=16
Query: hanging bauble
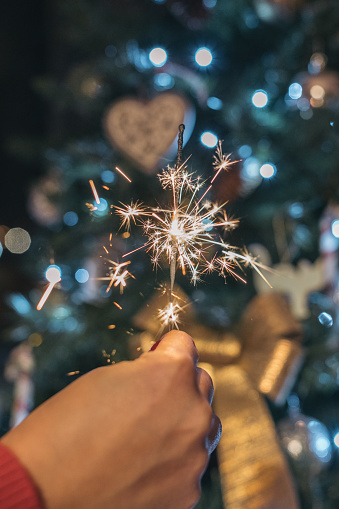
x=307 y=442
x=146 y=131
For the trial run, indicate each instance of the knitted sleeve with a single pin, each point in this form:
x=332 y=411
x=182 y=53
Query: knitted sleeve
x=17 y=490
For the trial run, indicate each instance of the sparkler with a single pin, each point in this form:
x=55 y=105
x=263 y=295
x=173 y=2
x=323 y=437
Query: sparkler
x=187 y=230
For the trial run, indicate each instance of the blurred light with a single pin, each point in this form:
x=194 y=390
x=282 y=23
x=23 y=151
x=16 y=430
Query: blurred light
x=306 y=115
x=336 y=439
x=34 y=339
x=203 y=57
x=107 y=176
x=100 y=208
x=303 y=104
x=158 y=57
x=209 y=139
x=325 y=319
x=295 y=91
x=126 y=235
x=245 y=151
x=110 y=51
x=71 y=218
x=317 y=63
x=209 y=4
x=19 y=303
x=335 y=228
x=260 y=98
x=322 y=446
x=295 y=447
x=17 y=240
x=159 y=1
x=296 y=210
x=163 y=80
x=1 y=249
x=82 y=275
x=71 y=323
x=209 y=225
x=53 y=274
x=317 y=92
x=251 y=167
x=267 y=170
x=251 y=20
x=214 y=103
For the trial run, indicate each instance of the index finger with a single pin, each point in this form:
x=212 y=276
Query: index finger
x=178 y=341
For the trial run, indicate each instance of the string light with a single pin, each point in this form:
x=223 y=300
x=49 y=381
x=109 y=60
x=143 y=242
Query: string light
x=203 y=57
x=267 y=170
x=158 y=57
x=209 y=139
x=260 y=98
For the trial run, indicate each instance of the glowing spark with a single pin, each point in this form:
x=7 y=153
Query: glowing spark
x=115 y=277
x=123 y=174
x=94 y=191
x=105 y=249
x=117 y=305
x=72 y=373
x=106 y=188
x=111 y=326
x=186 y=232
x=221 y=161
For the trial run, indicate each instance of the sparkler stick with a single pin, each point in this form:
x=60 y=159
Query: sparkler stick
x=173 y=262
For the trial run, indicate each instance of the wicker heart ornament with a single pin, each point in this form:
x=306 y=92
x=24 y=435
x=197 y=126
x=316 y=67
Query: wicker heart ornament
x=145 y=132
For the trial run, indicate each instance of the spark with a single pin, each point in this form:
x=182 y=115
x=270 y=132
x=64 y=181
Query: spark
x=116 y=276
x=189 y=232
x=123 y=174
x=117 y=305
x=45 y=296
x=106 y=188
x=94 y=191
x=221 y=161
x=111 y=326
x=72 y=373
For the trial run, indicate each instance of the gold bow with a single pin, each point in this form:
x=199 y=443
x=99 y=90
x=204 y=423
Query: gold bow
x=261 y=359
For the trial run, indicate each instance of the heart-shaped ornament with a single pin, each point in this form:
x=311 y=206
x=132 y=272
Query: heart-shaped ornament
x=146 y=132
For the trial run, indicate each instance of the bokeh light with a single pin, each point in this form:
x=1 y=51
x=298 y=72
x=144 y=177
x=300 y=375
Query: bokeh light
x=100 y=208
x=158 y=57
x=17 y=240
x=260 y=98
x=267 y=170
x=71 y=218
x=336 y=439
x=163 y=81
x=295 y=91
x=317 y=92
x=53 y=274
x=335 y=228
x=245 y=151
x=203 y=57
x=209 y=139
x=214 y=103
x=1 y=249
x=107 y=176
x=82 y=275
x=325 y=319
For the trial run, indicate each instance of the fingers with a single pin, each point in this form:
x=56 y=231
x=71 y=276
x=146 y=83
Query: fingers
x=178 y=341
x=214 y=434
x=205 y=384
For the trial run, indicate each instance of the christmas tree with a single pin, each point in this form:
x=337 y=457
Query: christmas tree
x=117 y=80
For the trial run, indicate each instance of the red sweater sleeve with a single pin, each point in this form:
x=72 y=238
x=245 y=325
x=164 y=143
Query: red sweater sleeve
x=17 y=490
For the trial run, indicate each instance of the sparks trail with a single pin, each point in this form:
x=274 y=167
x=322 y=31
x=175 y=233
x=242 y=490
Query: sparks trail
x=189 y=231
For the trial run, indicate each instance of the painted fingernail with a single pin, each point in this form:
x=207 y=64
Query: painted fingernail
x=154 y=346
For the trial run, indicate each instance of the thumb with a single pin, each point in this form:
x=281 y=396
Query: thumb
x=177 y=341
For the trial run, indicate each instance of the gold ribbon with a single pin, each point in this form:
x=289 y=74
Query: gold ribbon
x=261 y=359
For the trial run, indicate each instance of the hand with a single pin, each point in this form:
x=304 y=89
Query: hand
x=136 y=434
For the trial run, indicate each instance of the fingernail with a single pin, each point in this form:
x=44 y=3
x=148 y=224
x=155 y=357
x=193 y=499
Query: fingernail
x=154 y=346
